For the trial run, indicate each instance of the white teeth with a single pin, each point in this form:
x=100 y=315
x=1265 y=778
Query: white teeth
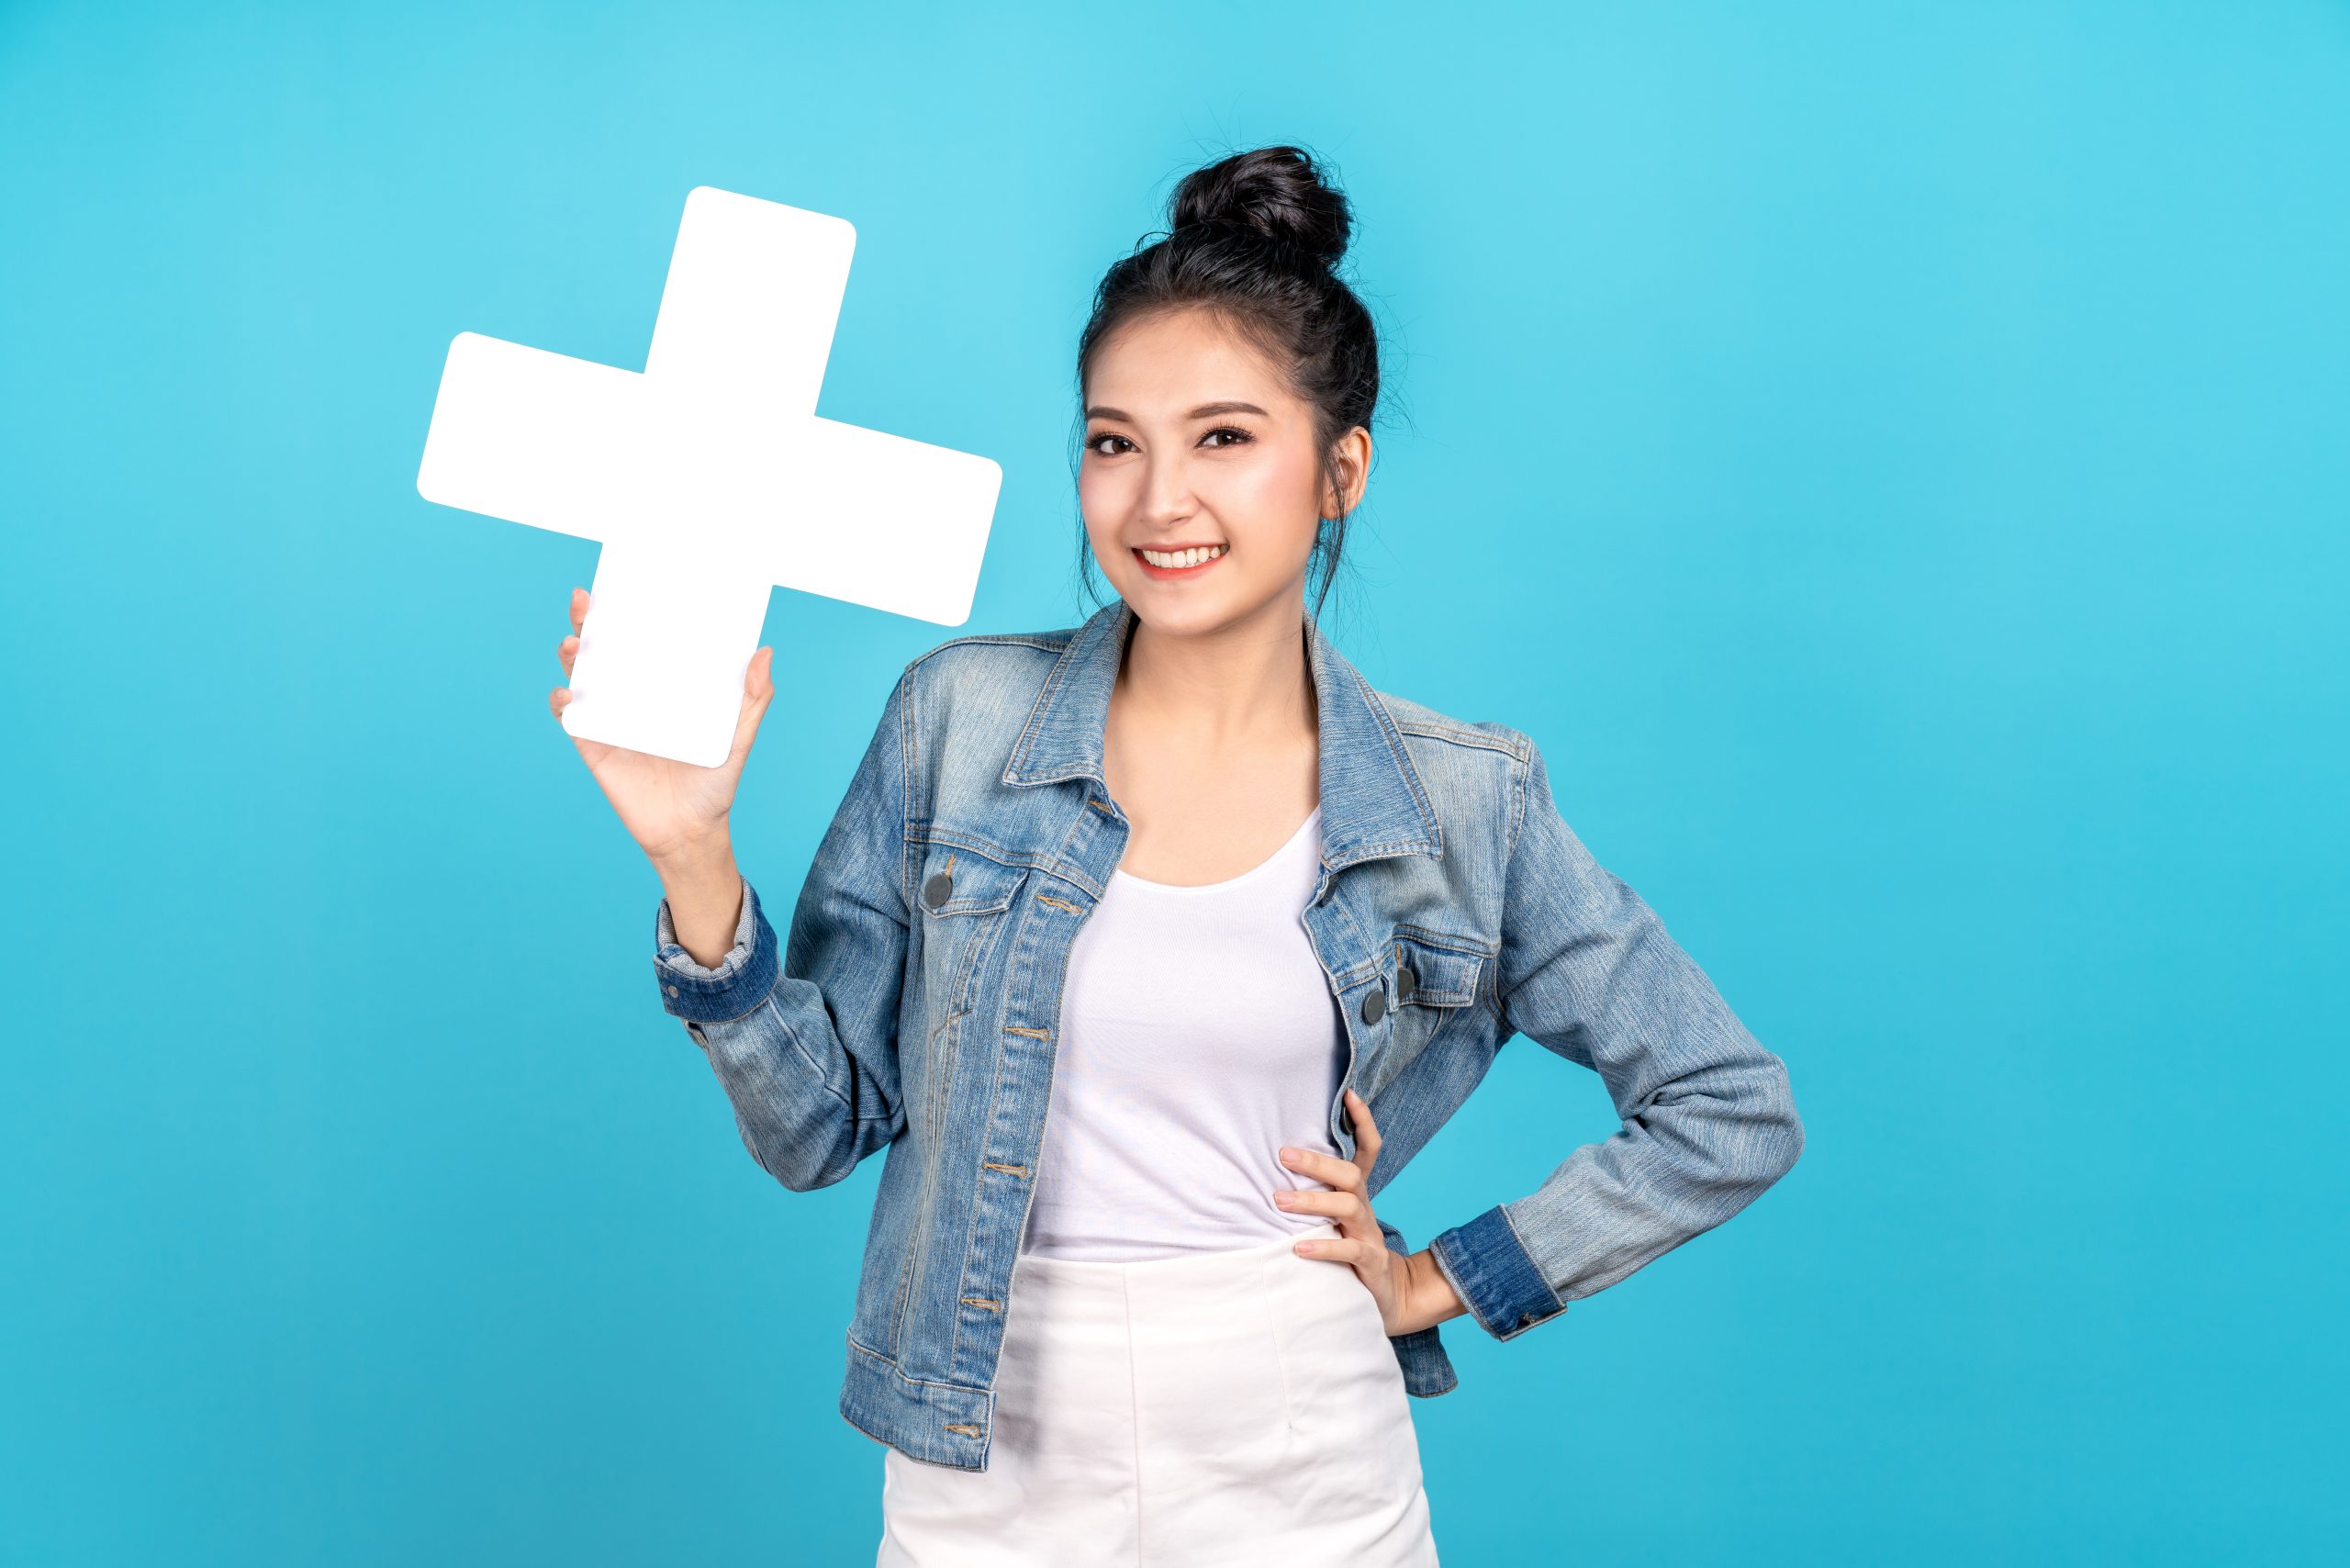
x=1184 y=557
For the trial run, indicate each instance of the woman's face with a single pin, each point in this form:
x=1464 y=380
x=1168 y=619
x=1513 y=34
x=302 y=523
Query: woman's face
x=1193 y=442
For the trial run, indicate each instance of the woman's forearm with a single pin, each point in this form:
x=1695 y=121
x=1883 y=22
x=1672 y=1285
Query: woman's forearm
x=705 y=893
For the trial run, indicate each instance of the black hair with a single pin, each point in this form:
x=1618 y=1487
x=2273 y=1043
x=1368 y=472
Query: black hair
x=1256 y=238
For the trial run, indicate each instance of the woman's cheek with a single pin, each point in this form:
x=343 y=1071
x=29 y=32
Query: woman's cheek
x=1100 y=501
x=1267 y=507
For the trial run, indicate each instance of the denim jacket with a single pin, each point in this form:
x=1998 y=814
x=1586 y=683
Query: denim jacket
x=914 y=1005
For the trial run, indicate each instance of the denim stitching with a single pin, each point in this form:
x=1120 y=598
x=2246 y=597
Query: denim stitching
x=1558 y=1305
x=1481 y=739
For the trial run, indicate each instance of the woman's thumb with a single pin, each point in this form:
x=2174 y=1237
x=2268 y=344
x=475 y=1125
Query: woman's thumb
x=758 y=690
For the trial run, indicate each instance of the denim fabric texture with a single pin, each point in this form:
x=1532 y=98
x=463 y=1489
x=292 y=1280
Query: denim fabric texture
x=913 y=1005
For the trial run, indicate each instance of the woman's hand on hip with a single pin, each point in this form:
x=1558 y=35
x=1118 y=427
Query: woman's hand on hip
x=1412 y=1292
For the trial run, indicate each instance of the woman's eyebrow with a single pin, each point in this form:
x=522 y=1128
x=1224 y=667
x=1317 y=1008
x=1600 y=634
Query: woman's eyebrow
x=1205 y=411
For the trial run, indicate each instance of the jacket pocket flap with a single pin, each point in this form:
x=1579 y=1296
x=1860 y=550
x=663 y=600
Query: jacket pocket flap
x=1439 y=975
x=955 y=880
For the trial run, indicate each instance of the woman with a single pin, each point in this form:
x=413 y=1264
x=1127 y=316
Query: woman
x=1118 y=937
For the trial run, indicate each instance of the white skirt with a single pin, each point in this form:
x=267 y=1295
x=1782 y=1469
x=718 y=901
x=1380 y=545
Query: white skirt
x=1216 y=1408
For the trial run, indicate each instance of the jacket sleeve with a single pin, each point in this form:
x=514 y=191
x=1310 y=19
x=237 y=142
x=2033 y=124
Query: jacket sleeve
x=1586 y=969
x=1420 y=1355
x=805 y=1043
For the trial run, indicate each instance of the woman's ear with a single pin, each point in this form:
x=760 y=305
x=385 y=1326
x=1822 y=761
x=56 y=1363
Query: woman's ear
x=1351 y=457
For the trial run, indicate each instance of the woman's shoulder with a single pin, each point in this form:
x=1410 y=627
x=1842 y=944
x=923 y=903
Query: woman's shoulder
x=981 y=657
x=997 y=647
x=1471 y=769
x=969 y=685
x=1420 y=722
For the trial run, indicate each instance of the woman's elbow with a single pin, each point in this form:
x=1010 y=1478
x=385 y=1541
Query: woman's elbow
x=821 y=1156
x=1780 y=1144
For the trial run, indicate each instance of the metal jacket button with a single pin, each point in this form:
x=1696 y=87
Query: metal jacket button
x=1406 y=983
x=938 y=889
x=1374 y=1005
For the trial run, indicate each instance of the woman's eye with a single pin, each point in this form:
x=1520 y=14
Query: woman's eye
x=1094 y=443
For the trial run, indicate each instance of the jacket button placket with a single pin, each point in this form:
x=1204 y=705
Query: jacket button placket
x=1325 y=931
x=1034 y=974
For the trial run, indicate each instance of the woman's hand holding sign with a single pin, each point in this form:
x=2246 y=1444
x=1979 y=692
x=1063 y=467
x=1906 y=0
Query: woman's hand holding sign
x=677 y=811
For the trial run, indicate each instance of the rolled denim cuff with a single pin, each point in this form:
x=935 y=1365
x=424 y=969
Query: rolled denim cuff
x=740 y=982
x=1494 y=1276
x=1427 y=1370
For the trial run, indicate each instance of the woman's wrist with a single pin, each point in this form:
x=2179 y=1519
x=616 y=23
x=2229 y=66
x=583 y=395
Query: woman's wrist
x=697 y=857
x=1429 y=1297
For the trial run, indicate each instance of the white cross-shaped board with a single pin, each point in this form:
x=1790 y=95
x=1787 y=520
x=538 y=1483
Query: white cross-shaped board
x=708 y=477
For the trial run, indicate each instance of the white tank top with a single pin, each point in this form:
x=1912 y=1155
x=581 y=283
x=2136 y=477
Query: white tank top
x=1198 y=1035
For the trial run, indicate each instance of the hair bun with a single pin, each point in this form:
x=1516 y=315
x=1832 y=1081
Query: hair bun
x=1276 y=192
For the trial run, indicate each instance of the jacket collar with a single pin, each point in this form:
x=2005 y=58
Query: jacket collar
x=1373 y=801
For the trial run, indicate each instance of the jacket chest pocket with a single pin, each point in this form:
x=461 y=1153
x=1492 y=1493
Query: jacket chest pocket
x=963 y=900
x=1433 y=981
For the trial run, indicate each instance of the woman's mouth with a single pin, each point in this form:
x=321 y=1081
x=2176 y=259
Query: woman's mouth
x=1167 y=565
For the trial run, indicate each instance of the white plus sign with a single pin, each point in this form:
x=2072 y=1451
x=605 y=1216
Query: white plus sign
x=709 y=477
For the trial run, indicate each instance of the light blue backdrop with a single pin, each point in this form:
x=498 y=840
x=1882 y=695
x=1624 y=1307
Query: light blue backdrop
x=1891 y=457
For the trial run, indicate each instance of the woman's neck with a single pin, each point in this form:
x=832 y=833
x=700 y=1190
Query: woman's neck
x=1246 y=683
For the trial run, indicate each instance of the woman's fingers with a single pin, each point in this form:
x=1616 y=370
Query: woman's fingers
x=1344 y=1207
x=1360 y=1240
x=1343 y=1174
x=568 y=650
x=1366 y=1131
x=1342 y=1250
x=1343 y=1202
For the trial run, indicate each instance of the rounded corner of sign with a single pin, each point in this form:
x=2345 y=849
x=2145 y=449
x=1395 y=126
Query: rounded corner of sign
x=844 y=232
x=466 y=351
x=693 y=754
x=986 y=489
x=431 y=471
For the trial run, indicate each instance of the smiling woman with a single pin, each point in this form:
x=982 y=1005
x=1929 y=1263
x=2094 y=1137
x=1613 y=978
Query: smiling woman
x=1191 y=1194
x=1229 y=502
x=1230 y=380
x=1126 y=939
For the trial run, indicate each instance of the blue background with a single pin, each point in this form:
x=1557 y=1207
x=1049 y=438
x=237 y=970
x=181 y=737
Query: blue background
x=1890 y=456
